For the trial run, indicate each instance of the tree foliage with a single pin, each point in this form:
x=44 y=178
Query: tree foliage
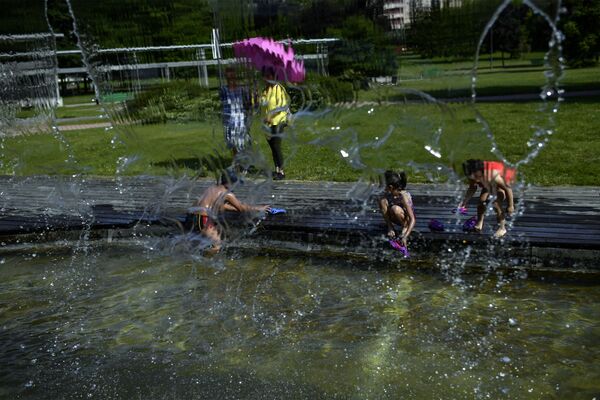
x=364 y=50
x=448 y=31
x=455 y=31
x=582 y=31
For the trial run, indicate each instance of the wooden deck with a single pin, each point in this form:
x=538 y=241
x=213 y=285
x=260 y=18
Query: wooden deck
x=559 y=227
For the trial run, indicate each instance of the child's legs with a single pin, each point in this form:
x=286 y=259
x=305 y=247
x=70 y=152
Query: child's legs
x=275 y=144
x=481 y=206
x=501 y=231
x=500 y=196
x=212 y=234
x=397 y=216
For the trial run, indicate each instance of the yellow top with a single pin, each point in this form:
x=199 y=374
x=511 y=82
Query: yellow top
x=275 y=104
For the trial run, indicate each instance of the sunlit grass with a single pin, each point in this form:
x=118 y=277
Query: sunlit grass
x=449 y=79
x=314 y=146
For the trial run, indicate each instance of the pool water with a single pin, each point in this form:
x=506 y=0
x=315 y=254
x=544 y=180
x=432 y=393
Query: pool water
x=123 y=323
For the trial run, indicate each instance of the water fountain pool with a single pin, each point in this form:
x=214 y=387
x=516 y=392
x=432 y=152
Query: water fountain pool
x=147 y=320
x=132 y=325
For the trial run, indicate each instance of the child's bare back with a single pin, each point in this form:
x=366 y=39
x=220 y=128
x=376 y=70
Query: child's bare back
x=213 y=202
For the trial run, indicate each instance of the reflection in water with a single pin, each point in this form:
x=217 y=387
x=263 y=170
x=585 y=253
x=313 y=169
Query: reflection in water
x=132 y=326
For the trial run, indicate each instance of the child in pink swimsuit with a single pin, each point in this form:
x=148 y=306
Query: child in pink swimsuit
x=397 y=207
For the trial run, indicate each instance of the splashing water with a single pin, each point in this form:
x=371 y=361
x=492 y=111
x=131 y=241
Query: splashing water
x=165 y=321
x=429 y=129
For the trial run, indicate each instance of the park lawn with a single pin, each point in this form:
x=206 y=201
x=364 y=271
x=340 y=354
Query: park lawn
x=79 y=99
x=150 y=149
x=75 y=112
x=453 y=79
x=83 y=121
x=314 y=146
x=414 y=67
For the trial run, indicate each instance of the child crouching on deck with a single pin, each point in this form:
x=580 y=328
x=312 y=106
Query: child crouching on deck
x=494 y=178
x=397 y=207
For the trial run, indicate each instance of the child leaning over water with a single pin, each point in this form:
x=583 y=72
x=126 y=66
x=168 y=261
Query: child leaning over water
x=215 y=200
x=397 y=207
x=494 y=178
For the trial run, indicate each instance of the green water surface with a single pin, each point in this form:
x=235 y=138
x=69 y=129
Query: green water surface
x=123 y=324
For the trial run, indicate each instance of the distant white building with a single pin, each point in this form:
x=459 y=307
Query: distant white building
x=399 y=11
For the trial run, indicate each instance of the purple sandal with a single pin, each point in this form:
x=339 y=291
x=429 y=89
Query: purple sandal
x=395 y=243
x=435 y=225
x=469 y=225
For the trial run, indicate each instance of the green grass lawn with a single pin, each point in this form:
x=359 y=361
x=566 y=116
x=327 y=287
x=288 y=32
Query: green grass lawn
x=75 y=112
x=315 y=145
x=80 y=99
x=446 y=79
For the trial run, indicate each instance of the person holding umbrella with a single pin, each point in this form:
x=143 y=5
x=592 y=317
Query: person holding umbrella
x=277 y=63
x=275 y=105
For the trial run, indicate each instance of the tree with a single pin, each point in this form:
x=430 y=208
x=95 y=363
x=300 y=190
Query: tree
x=582 y=31
x=364 y=50
x=22 y=17
x=510 y=32
x=448 y=31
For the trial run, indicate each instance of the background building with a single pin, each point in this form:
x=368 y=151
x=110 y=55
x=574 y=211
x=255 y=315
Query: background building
x=399 y=11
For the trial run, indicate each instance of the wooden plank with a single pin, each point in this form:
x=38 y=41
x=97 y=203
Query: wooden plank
x=555 y=215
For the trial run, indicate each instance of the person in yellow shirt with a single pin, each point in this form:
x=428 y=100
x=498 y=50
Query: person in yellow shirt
x=275 y=105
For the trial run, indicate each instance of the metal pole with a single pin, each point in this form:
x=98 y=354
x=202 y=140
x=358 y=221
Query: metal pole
x=216 y=49
x=492 y=48
x=202 y=69
x=137 y=86
x=325 y=60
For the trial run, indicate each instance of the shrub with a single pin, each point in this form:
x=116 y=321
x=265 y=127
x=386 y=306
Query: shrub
x=320 y=91
x=174 y=101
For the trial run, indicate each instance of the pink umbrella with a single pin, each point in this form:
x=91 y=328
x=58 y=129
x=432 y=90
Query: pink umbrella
x=265 y=52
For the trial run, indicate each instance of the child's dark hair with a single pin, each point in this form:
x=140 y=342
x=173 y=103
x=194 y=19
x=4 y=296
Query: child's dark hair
x=228 y=178
x=395 y=180
x=471 y=166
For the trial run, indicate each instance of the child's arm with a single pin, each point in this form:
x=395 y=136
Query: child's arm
x=383 y=206
x=233 y=204
x=410 y=215
x=470 y=192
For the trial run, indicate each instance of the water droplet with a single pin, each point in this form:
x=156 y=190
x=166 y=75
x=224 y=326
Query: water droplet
x=433 y=152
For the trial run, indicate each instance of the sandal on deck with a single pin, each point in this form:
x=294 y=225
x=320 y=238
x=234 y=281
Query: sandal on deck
x=469 y=225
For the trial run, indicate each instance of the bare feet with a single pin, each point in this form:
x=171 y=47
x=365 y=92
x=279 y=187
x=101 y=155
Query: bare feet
x=500 y=233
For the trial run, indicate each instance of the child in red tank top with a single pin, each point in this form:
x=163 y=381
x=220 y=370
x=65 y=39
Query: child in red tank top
x=494 y=178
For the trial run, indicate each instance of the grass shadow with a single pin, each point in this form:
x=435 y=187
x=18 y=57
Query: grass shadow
x=209 y=165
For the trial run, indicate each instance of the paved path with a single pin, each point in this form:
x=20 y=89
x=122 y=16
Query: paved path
x=521 y=97
x=80 y=127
